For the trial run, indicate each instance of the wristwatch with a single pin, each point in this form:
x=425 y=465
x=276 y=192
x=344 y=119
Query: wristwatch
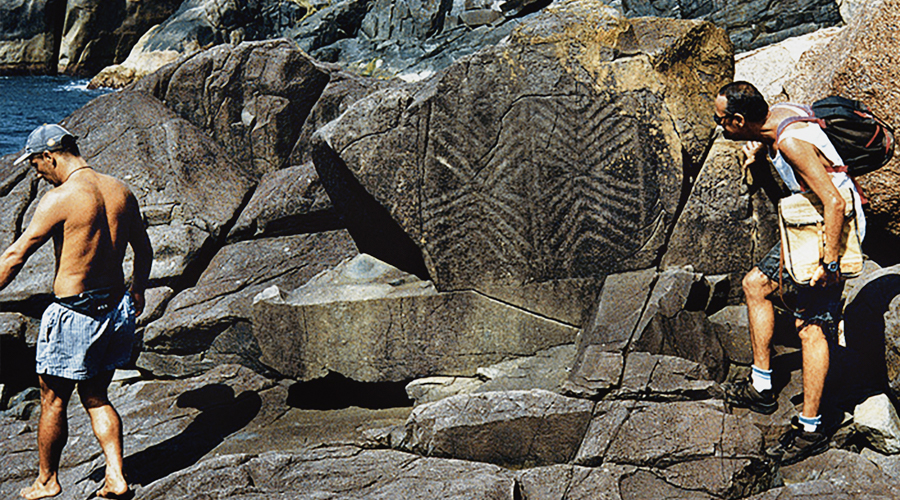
x=832 y=267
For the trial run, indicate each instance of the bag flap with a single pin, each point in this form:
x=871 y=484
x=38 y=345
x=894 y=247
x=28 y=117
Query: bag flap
x=806 y=208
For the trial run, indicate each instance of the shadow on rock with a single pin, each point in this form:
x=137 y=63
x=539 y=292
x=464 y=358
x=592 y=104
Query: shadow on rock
x=858 y=369
x=335 y=392
x=221 y=415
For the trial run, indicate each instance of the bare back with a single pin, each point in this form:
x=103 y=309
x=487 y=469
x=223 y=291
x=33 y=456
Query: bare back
x=95 y=214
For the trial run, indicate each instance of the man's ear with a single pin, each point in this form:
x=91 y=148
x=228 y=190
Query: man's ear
x=739 y=120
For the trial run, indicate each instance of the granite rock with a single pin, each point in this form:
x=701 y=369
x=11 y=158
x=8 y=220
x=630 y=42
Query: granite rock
x=251 y=98
x=393 y=339
x=728 y=223
x=862 y=63
x=672 y=325
x=29 y=40
x=611 y=323
x=507 y=428
x=96 y=33
x=236 y=274
x=876 y=419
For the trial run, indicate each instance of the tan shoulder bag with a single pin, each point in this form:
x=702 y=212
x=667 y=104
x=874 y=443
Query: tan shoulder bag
x=802 y=222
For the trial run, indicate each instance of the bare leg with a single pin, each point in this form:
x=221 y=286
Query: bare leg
x=760 y=315
x=53 y=432
x=108 y=428
x=815 y=368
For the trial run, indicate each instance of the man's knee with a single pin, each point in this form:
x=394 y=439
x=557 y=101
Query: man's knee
x=809 y=333
x=757 y=285
x=93 y=391
x=55 y=392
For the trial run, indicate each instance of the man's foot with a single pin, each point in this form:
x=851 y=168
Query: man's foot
x=796 y=444
x=41 y=490
x=742 y=394
x=115 y=489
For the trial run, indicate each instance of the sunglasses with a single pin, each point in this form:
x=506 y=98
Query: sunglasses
x=719 y=119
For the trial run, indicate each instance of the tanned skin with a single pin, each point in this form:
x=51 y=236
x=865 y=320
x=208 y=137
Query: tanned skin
x=810 y=164
x=92 y=219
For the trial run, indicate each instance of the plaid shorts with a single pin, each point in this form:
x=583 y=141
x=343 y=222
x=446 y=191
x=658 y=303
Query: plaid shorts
x=815 y=305
x=77 y=346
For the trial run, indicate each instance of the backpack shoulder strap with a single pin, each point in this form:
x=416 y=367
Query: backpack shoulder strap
x=810 y=117
x=790 y=121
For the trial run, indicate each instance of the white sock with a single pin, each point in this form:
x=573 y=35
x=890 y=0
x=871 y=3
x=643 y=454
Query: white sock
x=810 y=424
x=761 y=379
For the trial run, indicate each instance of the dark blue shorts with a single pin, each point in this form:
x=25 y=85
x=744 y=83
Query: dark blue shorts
x=815 y=305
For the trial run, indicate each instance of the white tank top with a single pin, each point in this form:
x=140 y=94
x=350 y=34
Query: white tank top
x=814 y=135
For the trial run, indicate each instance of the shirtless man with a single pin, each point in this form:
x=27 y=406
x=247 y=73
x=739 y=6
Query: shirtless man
x=87 y=332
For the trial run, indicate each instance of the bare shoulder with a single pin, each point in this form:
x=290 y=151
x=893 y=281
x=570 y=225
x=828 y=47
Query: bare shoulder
x=792 y=146
x=57 y=199
x=109 y=180
x=54 y=207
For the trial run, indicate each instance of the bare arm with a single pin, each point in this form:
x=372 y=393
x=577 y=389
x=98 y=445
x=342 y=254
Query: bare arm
x=46 y=217
x=143 y=254
x=806 y=160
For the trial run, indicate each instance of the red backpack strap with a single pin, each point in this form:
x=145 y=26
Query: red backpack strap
x=859 y=189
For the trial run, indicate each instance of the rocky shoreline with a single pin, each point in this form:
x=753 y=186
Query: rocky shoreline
x=518 y=278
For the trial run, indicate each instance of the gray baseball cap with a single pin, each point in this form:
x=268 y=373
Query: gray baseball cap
x=47 y=137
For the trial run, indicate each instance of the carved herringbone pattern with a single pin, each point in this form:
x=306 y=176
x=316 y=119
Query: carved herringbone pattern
x=558 y=191
x=598 y=195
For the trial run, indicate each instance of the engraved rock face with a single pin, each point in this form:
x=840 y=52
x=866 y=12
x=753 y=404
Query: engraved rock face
x=555 y=155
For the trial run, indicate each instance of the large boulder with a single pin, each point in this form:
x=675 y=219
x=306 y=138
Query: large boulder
x=287 y=201
x=96 y=34
x=343 y=89
x=728 y=223
x=335 y=472
x=771 y=68
x=689 y=445
x=198 y=25
x=673 y=322
x=224 y=293
x=870 y=357
x=373 y=323
x=862 y=63
x=516 y=149
x=28 y=35
x=506 y=428
x=252 y=98
x=610 y=325
x=750 y=23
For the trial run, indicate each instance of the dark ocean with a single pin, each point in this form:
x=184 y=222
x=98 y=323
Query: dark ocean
x=29 y=101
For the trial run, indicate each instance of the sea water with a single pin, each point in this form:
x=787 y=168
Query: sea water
x=29 y=101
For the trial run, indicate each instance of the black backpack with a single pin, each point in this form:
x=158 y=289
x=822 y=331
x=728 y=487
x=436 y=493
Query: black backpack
x=864 y=142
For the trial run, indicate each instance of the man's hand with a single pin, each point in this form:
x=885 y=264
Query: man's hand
x=753 y=152
x=138 y=300
x=823 y=278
